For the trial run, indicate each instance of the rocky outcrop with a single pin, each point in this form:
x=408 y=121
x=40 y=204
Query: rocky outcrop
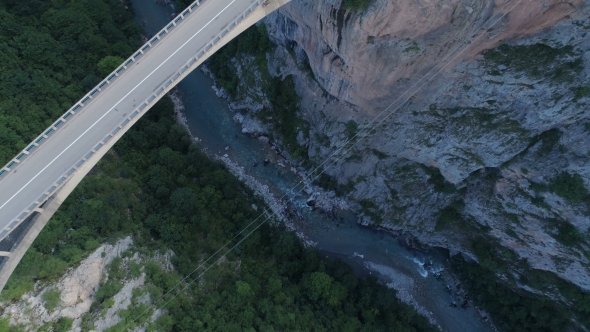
x=368 y=58
x=77 y=290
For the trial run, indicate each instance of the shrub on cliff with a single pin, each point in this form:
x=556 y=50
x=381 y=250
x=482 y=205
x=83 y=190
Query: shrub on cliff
x=355 y=4
x=570 y=187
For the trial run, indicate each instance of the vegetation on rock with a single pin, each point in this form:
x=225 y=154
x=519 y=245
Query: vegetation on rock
x=356 y=4
x=569 y=186
x=538 y=60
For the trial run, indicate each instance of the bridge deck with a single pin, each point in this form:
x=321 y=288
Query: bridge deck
x=27 y=182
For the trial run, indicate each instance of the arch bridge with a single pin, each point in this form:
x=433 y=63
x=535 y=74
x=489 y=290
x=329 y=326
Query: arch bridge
x=36 y=182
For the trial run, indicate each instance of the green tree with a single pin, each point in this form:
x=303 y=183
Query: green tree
x=52 y=299
x=109 y=63
x=571 y=187
x=244 y=289
x=351 y=128
x=321 y=286
x=63 y=324
x=355 y=4
x=4 y=327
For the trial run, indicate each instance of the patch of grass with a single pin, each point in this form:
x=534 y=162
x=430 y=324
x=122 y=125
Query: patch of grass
x=330 y=183
x=4 y=326
x=439 y=182
x=487 y=119
x=379 y=154
x=510 y=307
x=565 y=233
x=283 y=116
x=134 y=269
x=539 y=187
x=538 y=60
x=356 y=5
x=351 y=129
x=63 y=324
x=548 y=140
x=413 y=49
x=108 y=303
x=491 y=256
x=107 y=291
x=370 y=209
x=569 y=186
x=452 y=217
x=116 y=272
x=513 y=217
x=511 y=233
x=51 y=299
x=568 y=235
x=539 y=201
x=580 y=92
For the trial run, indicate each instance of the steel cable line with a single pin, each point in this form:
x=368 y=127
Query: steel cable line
x=364 y=129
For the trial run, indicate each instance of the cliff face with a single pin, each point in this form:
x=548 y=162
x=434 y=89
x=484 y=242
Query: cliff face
x=368 y=58
x=498 y=123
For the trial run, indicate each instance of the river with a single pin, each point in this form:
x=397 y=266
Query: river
x=412 y=273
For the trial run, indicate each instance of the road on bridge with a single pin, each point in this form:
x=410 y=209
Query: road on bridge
x=27 y=182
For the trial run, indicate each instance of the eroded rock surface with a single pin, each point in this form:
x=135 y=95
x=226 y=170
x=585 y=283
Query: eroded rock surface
x=486 y=130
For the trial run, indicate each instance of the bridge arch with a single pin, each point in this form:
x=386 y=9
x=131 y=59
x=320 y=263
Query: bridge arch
x=51 y=166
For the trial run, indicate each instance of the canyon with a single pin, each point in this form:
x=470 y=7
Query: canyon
x=421 y=108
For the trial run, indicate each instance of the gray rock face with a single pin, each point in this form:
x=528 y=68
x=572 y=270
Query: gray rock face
x=483 y=122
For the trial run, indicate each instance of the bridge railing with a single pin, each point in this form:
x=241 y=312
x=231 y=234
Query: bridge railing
x=79 y=106
x=160 y=91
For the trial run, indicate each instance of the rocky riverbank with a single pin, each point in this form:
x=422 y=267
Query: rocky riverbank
x=245 y=110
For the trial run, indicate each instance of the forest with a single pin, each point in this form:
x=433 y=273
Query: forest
x=158 y=186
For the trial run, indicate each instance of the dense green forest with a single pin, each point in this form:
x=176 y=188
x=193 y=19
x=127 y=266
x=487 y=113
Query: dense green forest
x=49 y=55
x=159 y=187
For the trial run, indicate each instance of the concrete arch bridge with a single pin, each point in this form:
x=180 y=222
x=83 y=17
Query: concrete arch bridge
x=36 y=182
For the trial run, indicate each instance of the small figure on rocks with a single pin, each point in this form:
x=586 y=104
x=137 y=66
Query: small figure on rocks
x=266 y=161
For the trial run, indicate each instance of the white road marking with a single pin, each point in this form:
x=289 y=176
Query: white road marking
x=69 y=146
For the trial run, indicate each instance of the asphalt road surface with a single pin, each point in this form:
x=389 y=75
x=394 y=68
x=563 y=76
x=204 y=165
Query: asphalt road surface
x=27 y=181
